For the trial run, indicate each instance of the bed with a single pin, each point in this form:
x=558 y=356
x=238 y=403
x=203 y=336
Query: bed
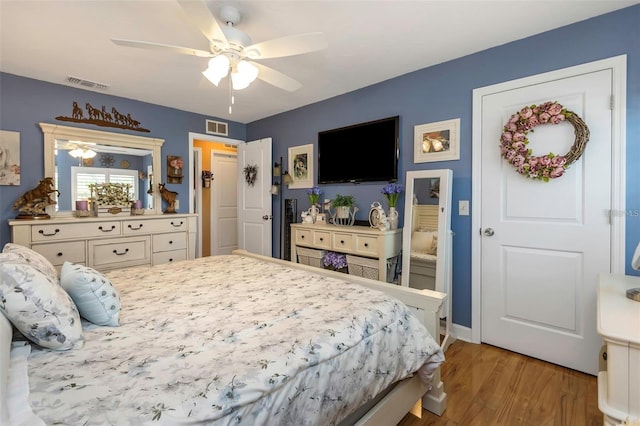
x=237 y=339
x=424 y=243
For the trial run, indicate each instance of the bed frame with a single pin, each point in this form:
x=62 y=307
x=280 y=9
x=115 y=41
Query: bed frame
x=407 y=396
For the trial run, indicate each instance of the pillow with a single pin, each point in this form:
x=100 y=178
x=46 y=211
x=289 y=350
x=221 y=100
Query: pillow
x=421 y=241
x=434 y=245
x=37 y=305
x=33 y=258
x=94 y=295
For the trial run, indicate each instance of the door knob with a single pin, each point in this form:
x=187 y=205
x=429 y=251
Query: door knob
x=267 y=217
x=489 y=232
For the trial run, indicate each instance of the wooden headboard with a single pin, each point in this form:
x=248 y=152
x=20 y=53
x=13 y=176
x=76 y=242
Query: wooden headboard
x=425 y=216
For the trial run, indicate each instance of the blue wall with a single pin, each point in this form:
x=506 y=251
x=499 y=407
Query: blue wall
x=26 y=102
x=437 y=93
x=443 y=92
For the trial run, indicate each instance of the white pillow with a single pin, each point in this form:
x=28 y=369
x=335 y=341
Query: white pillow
x=96 y=298
x=33 y=258
x=422 y=241
x=37 y=306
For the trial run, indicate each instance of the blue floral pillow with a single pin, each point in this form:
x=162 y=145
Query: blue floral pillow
x=94 y=295
x=33 y=258
x=37 y=306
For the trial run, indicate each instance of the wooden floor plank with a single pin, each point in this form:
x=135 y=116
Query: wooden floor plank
x=486 y=385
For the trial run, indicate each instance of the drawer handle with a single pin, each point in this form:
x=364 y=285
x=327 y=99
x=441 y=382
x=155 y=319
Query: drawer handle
x=48 y=235
x=170 y=242
x=301 y=236
x=59 y=254
x=321 y=239
x=135 y=229
x=121 y=254
x=366 y=244
x=107 y=230
x=178 y=225
x=341 y=241
x=171 y=259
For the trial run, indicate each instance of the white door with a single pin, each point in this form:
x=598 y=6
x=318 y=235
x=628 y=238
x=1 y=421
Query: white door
x=550 y=239
x=224 y=200
x=254 y=208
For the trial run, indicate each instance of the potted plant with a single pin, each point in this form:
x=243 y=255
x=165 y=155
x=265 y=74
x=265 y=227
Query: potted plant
x=343 y=204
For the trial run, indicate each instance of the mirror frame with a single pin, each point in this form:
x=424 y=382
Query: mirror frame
x=53 y=131
x=443 y=253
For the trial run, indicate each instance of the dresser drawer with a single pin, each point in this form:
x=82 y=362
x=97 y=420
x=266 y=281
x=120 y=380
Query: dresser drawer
x=322 y=239
x=56 y=232
x=169 y=256
x=168 y=242
x=367 y=245
x=304 y=237
x=58 y=253
x=119 y=253
x=343 y=242
x=154 y=226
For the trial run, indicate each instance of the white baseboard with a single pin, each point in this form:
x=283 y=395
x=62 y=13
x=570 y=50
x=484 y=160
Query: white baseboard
x=463 y=333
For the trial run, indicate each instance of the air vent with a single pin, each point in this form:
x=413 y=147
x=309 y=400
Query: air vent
x=87 y=83
x=217 y=128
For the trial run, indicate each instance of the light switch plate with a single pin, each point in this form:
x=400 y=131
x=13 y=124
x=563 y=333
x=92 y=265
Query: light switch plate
x=463 y=208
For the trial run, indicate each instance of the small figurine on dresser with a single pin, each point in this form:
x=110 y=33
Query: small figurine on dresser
x=169 y=197
x=33 y=203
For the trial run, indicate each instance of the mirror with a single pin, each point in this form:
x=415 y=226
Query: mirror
x=77 y=155
x=426 y=236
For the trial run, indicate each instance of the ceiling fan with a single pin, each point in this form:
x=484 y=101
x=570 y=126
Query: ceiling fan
x=231 y=50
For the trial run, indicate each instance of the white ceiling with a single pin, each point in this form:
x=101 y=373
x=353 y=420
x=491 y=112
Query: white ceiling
x=369 y=42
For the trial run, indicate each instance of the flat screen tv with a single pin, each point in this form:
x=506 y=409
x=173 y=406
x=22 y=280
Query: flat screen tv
x=365 y=152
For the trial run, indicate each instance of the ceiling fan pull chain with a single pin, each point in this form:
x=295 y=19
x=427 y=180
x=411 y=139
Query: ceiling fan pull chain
x=231 y=100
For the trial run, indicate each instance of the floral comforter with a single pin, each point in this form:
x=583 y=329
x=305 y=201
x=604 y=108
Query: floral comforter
x=231 y=340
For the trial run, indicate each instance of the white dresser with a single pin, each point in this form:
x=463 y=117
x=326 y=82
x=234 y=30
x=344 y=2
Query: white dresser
x=619 y=326
x=357 y=240
x=106 y=243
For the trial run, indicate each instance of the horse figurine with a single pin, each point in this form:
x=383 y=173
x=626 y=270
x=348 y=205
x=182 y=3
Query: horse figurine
x=34 y=202
x=169 y=197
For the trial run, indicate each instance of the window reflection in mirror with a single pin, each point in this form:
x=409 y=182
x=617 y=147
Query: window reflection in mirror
x=118 y=152
x=79 y=164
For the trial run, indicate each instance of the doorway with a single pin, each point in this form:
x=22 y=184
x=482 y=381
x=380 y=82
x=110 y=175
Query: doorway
x=540 y=245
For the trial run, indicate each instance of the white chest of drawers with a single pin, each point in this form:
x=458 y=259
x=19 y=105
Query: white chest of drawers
x=106 y=243
x=619 y=326
x=357 y=240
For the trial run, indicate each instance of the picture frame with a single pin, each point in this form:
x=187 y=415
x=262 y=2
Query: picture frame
x=437 y=141
x=9 y=158
x=301 y=166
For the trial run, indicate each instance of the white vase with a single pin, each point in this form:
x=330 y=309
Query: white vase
x=393 y=218
x=313 y=212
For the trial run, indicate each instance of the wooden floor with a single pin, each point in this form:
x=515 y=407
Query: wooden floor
x=486 y=385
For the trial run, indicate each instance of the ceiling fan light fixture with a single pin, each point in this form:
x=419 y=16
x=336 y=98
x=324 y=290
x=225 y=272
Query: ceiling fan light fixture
x=243 y=74
x=218 y=69
x=82 y=153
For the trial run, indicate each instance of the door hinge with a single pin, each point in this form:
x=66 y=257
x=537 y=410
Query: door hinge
x=612 y=103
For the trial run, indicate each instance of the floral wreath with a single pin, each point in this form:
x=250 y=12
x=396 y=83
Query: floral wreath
x=513 y=142
x=250 y=174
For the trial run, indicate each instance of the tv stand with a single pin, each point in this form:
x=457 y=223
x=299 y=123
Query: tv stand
x=362 y=241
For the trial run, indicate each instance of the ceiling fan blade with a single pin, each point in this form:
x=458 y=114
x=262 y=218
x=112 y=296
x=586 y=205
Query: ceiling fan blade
x=276 y=78
x=288 y=46
x=163 y=47
x=203 y=19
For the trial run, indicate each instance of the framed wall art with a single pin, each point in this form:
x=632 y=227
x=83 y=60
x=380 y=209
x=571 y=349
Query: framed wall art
x=301 y=166
x=9 y=158
x=438 y=141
